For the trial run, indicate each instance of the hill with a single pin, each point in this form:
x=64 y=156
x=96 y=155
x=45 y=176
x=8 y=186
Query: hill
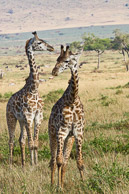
x=28 y=15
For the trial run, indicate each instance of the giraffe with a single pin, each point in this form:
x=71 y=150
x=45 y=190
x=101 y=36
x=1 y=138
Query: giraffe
x=66 y=121
x=26 y=105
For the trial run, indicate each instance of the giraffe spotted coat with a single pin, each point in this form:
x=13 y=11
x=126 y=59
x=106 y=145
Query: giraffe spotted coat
x=26 y=105
x=66 y=121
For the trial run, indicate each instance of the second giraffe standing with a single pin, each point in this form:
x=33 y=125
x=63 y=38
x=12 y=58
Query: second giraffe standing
x=66 y=121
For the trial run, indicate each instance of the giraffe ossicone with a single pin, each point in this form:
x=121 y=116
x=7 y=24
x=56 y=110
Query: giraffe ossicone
x=26 y=105
x=66 y=121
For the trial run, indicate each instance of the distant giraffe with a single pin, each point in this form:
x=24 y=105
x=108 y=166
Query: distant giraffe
x=66 y=121
x=26 y=105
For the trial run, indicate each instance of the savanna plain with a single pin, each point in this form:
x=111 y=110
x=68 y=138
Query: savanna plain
x=105 y=96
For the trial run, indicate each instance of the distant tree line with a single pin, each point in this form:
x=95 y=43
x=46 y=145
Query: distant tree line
x=91 y=42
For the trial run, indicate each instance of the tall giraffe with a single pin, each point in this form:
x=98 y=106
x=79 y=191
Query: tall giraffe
x=66 y=121
x=26 y=105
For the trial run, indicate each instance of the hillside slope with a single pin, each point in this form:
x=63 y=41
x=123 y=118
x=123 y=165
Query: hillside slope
x=28 y=15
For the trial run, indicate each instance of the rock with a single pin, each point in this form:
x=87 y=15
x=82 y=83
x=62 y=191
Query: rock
x=11 y=84
x=22 y=68
x=1 y=74
x=4 y=63
x=17 y=66
x=42 y=80
x=47 y=66
x=67 y=19
x=51 y=77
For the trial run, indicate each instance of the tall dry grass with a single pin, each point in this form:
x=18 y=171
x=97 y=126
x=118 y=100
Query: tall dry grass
x=105 y=96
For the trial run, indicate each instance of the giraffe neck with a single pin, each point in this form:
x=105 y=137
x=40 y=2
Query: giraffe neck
x=33 y=79
x=72 y=90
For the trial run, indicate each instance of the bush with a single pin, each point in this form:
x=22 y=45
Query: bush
x=119 y=92
x=8 y=94
x=44 y=153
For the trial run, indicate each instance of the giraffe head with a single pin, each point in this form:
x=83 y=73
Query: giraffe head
x=66 y=60
x=37 y=44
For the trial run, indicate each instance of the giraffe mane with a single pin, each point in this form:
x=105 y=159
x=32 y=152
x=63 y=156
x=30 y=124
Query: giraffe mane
x=27 y=42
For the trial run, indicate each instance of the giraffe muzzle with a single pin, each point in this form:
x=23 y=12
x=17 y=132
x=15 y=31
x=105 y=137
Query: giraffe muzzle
x=50 y=48
x=55 y=72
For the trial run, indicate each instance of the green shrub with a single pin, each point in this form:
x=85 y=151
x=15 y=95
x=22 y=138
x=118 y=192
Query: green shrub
x=110 y=176
x=119 y=92
x=118 y=125
x=126 y=85
x=117 y=87
x=8 y=94
x=44 y=153
x=91 y=100
x=106 y=101
x=44 y=137
x=103 y=177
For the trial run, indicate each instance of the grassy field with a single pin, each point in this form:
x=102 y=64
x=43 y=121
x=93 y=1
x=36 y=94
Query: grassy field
x=105 y=96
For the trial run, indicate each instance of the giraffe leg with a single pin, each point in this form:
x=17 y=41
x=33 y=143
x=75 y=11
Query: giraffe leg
x=80 y=165
x=37 y=123
x=11 y=123
x=22 y=141
x=62 y=134
x=30 y=141
x=67 y=150
x=53 y=147
x=59 y=158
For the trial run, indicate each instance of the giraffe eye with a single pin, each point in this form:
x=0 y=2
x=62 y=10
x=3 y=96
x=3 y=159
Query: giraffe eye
x=66 y=61
x=39 y=43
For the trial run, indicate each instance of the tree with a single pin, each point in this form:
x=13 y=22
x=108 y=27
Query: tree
x=121 y=43
x=75 y=46
x=91 y=42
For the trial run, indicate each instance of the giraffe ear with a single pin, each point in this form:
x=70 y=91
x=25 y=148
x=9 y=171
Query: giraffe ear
x=35 y=34
x=62 y=49
x=67 y=49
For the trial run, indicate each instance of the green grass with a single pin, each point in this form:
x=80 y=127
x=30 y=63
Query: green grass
x=6 y=96
x=119 y=92
x=53 y=96
x=106 y=101
x=44 y=153
x=120 y=87
x=118 y=125
x=105 y=145
x=107 y=177
x=49 y=100
x=43 y=137
x=4 y=149
x=101 y=145
x=126 y=85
